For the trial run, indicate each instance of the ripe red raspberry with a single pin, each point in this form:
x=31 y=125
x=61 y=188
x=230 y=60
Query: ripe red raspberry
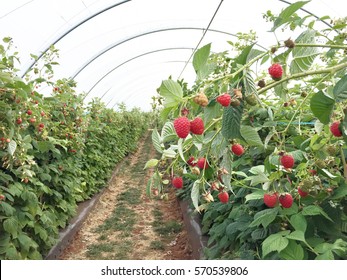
x=335 y=129
x=223 y=197
x=286 y=200
x=191 y=161
x=302 y=193
x=177 y=182
x=313 y=172
x=270 y=199
x=182 y=127
x=202 y=163
x=237 y=149
x=276 y=71
x=197 y=126
x=287 y=161
x=224 y=99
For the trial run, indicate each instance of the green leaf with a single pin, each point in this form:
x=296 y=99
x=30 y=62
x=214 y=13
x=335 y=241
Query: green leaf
x=195 y=194
x=322 y=107
x=297 y=235
x=251 y=136
x=151 y=163
x=156 y=140
x=274 y=242
x=293 y=251
x=340 y=89
x=242 y=58
x=11 y=148
x=180 y=149
x=304 y=57
x=281 y=90
x=298 y=222
x=11 y=226
x=264 y=217
x=313 y=210
x=287 y=13
x=200 y=57
x=328 y=255
x=249 y=84
x=172 y=93
x=168 y=132
x=25 y=241
x=255 y=195
x=231 y=122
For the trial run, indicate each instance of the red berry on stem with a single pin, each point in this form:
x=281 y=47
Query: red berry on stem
x=237 y=149
x=191 y=162
x=276 y=71
x=335 y=129
x=287 y=161
x=182 y=127
x=29 y=112
x=224 y=99
x=19 y=121
x=197 y=126
x=286 y=200
x=223 y=197
x=177 y=182
x=270 y=199
x=202 y=163
x=302 y=193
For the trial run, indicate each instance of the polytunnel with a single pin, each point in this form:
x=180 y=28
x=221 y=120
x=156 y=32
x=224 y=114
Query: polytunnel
x=121 y=50
x=173 y=130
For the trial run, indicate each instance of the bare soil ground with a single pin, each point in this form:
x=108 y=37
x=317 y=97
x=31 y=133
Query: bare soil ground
x=127 y=224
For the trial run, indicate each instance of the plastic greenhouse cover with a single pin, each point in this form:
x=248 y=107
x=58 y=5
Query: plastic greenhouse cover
x=121 y=50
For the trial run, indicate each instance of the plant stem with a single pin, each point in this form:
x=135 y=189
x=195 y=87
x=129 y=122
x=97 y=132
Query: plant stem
x=330 y=70
x=247 y=65
x=303 y=45
x=344 y=164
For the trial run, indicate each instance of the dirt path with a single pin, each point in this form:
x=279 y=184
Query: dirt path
x=127 y=224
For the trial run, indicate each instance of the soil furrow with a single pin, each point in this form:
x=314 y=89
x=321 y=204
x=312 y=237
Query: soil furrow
x=127 y=224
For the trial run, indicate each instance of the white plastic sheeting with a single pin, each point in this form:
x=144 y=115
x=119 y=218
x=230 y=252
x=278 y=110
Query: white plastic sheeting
x=121 y=50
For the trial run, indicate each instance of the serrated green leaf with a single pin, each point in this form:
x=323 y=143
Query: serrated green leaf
x=298 y=222
x=231 y=122
x=255 y=195
x=297 y=235
x=274 y=242
x=281 y=90
x=322 y=107
x=251 y=136
x=172 y=93
x=180 y=149
x=156 y=140
x=264 y=217
x=293 y=251
x=287 y=13
x=151 y=163
x=303 y=57
x=200 y=57
x=195 y=194
x=26 y=242
x=249 y=84
x=168 y=132
x=328 y=255
x=313 y=210
x=11 y=226
x=340 y=89
x=11 y=148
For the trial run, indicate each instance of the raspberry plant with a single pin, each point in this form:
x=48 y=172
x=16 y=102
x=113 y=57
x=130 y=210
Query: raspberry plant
x=55 y=151
x=286 y=117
